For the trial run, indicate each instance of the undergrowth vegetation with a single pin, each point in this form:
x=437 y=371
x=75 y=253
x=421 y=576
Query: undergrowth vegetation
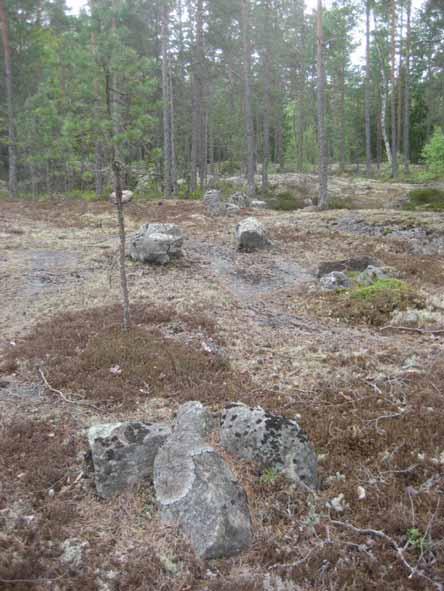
x=87 y=353
x=430 y=199
x=375 y=303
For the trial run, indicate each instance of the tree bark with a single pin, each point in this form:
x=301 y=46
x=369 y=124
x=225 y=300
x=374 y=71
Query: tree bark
x=12 y=137
x=165 y=102
x=406 y=131
x=172 y=134
x=322 y=135
x=300 y=154
x=393 y=89
x=267 y=65
x=249 y=128
x=368 y=140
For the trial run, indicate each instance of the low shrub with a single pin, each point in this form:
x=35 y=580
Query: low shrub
x=375 y=303
x=430 y=199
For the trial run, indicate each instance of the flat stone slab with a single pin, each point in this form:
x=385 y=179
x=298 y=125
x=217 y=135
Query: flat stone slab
x=123 y=454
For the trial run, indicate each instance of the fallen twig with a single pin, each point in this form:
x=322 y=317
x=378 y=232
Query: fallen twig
x=62 y=396
x=413 y=570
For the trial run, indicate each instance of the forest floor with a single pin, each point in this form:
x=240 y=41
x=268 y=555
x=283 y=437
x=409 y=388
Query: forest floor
x=219 y=325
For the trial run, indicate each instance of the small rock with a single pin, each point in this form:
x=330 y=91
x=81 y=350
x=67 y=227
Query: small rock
x=73 y=551
x=258 y=204
x=372 y=274
x=231 y=208
x=240 y=199
x=361 y=493
x=123 y=454
x=156 y=243
x=196 y=489
x=338 y=503
x=354 y=264
x=250 y=235
x=213 y=202
x=270 y=440
x=126 y=196
x=334 y=281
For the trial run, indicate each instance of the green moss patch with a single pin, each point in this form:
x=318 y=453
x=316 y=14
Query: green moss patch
x=375 y=304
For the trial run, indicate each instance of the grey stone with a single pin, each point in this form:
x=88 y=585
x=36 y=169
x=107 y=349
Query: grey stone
x=73 y=550
x=231 y=208
x=196 y=489
x=353 y=264
x=257 y=204
x=126 y=196
x=272 y=441
x=250 y=235
x=123 y=454
x=213 y=202
x=372 y=274
x=156 y=243
x=240 y=199
x=334 y=281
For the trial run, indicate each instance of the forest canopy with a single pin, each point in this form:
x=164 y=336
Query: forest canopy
x=185 y=88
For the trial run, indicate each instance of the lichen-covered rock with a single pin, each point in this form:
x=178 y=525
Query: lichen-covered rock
x=372 y=274
x=126 y=196
x=270 y=440
x=156 y=243
x=250 y=235
x=196 y=489
x=240 y=199
x=334 y=281
x=123 y=454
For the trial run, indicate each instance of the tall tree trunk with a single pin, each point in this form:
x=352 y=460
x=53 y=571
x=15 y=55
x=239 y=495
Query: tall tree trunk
x=322 y=134
x=342 y=116
x=400 y=84
x=300 y=155
x=197 y=101
x=393 y=89
x=267 y=65
x=99 y=151
x=378 y=143
x=12 y=139
x=249 y=128
x=172 y=134
x=165 y=102
x=406 y=132
x=383 y=94
x=368 y=139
